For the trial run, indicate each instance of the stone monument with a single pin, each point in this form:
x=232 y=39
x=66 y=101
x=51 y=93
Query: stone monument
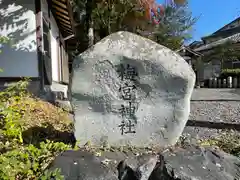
x=129 y=90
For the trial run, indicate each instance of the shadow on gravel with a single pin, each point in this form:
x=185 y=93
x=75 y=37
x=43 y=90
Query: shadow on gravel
x=213 y=125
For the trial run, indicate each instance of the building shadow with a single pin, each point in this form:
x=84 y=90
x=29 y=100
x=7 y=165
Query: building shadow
x=36 y=135
x=16 y=63
x=18 y=24
x=14 y=20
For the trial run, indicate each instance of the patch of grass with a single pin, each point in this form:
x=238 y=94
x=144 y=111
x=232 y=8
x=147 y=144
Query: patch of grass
x=228 y=141
x=32 y=134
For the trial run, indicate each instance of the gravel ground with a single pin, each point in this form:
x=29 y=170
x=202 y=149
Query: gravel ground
x=200 y=133
x=215 y=111
x=213 y=105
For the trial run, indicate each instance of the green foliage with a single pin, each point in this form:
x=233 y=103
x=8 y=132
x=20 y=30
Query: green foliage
x=3 y=40
x=110 y=16
x=233 y=71
x=11 y=118
x=114 y=15
x=230 y=72
x=29 y=162
x=26 y=125
x=56 y=174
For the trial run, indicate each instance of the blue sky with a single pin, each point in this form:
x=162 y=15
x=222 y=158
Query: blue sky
x=213 y=14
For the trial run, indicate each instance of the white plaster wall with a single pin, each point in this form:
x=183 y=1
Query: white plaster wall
x=17 y=21
x=211 y=70
x=44 y=8
x=54 y=42
x=54 y=49
x=54 y=31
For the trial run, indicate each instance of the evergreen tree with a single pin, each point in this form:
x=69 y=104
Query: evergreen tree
x=175 y=28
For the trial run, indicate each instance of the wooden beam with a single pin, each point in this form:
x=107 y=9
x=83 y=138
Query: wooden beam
x=70 y=14
x=62 y=11
x=64 y=29
x=62 y=15
x=67 y=30
x=65 y=26
x=64 y=20
x=68 y=37
x=59 y=9
x=59 y=4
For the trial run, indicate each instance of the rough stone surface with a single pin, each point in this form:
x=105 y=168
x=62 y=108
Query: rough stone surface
x=198 y=163
x=189 y=163
x=83 y=165
x=160 y=92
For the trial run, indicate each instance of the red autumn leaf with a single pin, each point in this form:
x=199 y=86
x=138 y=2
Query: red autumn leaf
x=153 y=11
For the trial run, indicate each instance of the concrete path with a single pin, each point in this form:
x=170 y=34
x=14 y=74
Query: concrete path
x=208 y=94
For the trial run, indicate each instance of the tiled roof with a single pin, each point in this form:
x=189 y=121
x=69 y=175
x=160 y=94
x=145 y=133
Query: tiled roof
x=224 y=33
x=189 y=50
x=235 y=20
x=234 y=38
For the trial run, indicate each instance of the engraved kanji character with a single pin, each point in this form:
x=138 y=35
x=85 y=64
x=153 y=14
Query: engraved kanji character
x=131 y=73
x=127 y=91
x=130 y=127
x=121 y=71
x=128 y=111
x=122 y=126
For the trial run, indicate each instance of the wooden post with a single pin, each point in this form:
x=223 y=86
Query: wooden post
x=235 y=82
x=219 y=83
x=229 y=82
x=214 y=82
x=210 y=84
x=224 y=83
x=198 y=69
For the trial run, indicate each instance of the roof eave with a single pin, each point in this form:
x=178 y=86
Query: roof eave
x=63 y=15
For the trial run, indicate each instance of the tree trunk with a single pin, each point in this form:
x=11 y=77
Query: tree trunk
x=89 y=22
x=90 y=35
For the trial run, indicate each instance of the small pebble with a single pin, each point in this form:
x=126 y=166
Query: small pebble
x=106 y=161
